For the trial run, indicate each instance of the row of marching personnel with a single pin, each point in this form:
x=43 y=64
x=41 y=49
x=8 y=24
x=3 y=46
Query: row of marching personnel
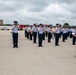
x=41 y=31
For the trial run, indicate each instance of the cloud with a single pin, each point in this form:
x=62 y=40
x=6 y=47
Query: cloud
x=32 y=11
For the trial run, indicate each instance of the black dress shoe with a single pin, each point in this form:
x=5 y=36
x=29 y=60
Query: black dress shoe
x=64 y=41
x=38 y=46
x=13 y=47
x=34 y=42
x=17 y=47
x=58 y=45
x=49 y=42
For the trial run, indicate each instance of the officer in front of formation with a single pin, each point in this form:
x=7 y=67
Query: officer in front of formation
x=40 y=35
x=57 y=34
x=74 y=36
x=15 y=34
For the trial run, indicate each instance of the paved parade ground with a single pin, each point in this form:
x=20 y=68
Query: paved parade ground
x=29 y=59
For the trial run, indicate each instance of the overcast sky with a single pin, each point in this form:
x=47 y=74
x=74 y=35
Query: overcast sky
x=38 y=11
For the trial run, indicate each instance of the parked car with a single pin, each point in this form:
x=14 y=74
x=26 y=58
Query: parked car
x=4 y=28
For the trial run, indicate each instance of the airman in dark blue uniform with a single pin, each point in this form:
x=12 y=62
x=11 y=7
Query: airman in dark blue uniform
x=49 y=31
x=15 y=34
x=57 y=34
x=40 y=35
x=74 y=36
x=35 y=30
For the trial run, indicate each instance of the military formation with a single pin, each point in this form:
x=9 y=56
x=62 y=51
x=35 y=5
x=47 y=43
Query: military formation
x=32 y=32
x=41 y=31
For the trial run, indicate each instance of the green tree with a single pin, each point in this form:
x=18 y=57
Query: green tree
x=66 y=25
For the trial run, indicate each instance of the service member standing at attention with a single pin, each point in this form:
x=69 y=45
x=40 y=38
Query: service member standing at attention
x=67 y=32
x=44 y=32
x=31 y=32
x=64 y=34
x=15 y=34
x=57 y=34
x=28 y=32
x=60 y=31
x=49 y=31
x=40 y=35
x=25 y=31
x=35 y=30
x=46 y=28
x=71 y=31
x=74 y=36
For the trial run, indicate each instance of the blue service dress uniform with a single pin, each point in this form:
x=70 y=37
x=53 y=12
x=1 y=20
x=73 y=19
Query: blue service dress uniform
x=64 y=35
x=15 y=35
x=35 y=30
x=43 y=33
x=49 y=31
x=25 y=31
x=31 y=33
x=74 y=37
x=28 y=32
x=57 y=36
x=40 y=36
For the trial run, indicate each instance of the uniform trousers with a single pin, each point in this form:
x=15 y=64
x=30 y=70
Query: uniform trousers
x=43 y=36
x=34 y=37
x=46 y=33
x=49 y=36
x=71 y=35
x=40 y=39
x=64 y=37
x=74 y=40
x=57 y=35
x=15 y=39
x=25 y=33
x=30 y=36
